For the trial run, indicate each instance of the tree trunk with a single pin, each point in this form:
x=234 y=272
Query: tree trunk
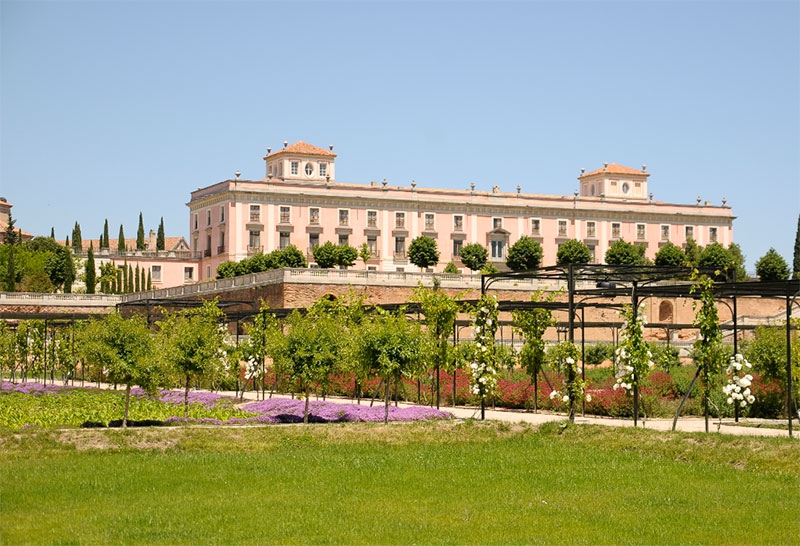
x=127 y=406
x=308 y=403
x=186 y=399
x=386 y=402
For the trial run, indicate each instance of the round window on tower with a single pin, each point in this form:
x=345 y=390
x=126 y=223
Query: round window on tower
x=625 y=188
x=309 y=169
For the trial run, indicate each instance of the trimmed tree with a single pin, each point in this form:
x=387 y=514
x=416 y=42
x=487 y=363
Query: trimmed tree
x=531 y=325
x=622 y=252
x=573 y=252
x=121 y=239
x=474 y=256
x=716 y=256
x=104 y=244
x=364 y=253
x=90 y=275
x=325 y=255
x=772 y=267
x=140 y=234
x=525 y=254
x=160 y=242
x=346 y=255
x=422 y=252
x=670 y=255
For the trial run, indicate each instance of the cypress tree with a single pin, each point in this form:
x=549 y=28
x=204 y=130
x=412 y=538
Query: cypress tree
x=136 y=285
x=105 y=235
x=121 y=240
x=796 y=260
x=140 y=234
x=149 y=281
x=118 y=282
x=77 y=240
x=66 y=242
x=52 y=233
x=160 y=237
x=91 y=274
x=9 y=238
x=130 y=279
x=142 y=280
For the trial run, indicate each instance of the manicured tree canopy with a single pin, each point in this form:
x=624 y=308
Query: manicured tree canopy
x=717 y=257
x=325 y=255
x=474 y=256
x=573 y=252
x=525 y=254
x=622 y=252
x=670 y=255
x=422 y=252
x=289 y=257
x=772 y=267
x=346 y=255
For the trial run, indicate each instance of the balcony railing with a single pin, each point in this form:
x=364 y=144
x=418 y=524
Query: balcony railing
x=253 y=250
x=207 y=253
x=220 y=249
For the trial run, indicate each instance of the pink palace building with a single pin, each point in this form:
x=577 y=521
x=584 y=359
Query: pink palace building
x=300 y=202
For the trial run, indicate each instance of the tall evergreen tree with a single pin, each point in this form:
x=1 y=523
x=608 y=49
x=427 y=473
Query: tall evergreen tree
x=129 y=288
x=9 y=240
x=66 y=241
x=796 y=259
x=52 y=233
x=77 y=240
x=160 y=244
x=149 y=281
x=121 y=240
x=90 y=276
x=136 y=284
x=105 y=235
x=140 y=234
x=142 y=280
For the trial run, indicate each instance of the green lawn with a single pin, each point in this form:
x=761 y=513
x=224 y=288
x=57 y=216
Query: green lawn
x=421 y=483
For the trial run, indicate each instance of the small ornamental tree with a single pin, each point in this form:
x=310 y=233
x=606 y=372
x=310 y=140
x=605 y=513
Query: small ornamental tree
x=123 y=349
x=670 y=255
x=622 y=252
x=160 y=242
x=531 y=325
x=60 y=268
x=422 y=252
x=289 y=257
x=140 y=234
x=525 y=254
x=573 y=252
x=451 y=269
x=346 y=255
x=474 y=256
x=440 y=312
x=190 y=342
x=364 y=253
x=265 y=341
x=325 y=255
x=715 y=256
x=90 y=275
x=564 y=359
x=484 y=368
x=632 y=357
x=772 y=267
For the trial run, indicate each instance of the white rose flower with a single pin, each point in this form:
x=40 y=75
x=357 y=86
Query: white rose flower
x=565 y=398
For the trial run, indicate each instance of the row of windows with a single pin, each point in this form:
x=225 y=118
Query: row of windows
x=284 y=217
x=155 y=273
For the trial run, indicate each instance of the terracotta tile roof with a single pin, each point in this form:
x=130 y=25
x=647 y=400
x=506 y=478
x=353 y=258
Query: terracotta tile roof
x=302 y=148
x=613 y=168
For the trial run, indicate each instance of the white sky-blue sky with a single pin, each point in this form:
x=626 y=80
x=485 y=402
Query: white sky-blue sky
x=111 y=108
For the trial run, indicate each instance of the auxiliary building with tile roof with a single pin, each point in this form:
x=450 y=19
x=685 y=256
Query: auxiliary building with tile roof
x=300 y=202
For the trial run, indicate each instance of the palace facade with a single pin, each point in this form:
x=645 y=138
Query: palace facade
x=299 y=202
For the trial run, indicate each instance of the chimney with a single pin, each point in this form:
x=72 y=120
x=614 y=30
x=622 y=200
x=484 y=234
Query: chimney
x=151 y=242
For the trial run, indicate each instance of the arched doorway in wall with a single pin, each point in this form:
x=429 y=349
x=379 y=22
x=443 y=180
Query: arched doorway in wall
x=666 y=312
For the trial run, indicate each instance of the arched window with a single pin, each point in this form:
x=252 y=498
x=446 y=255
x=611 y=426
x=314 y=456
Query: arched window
x=665 y=311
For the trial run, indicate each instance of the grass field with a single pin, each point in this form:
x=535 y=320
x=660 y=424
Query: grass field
x=419 y=483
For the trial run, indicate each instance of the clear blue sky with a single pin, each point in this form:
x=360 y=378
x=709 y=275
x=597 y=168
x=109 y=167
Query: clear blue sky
x=111 y=108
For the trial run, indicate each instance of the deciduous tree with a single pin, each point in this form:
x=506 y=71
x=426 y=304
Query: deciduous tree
x=474 y=256
x=525 y=254
x=422 y=252
x=772 y=267
x=573 y=252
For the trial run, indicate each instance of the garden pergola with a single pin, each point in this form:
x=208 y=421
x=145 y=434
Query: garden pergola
x=588 y=282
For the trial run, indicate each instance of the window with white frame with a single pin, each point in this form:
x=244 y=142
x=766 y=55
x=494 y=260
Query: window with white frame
x=562 y=228
x=688 y=232
x=616 y=230
x=313 y=240
x=497 y=223
x=344 y=239
x=591 y=230
x=712 y=234
x=255 y=213
x=400 y=246
x=283 y=240
x=457 y=244
x=294 y=167
x=400 y=220
x=498 y=249
x=458 y=222
x=344 y=217
x=155 y=273
x=372 y=246
x=640 y=234
x=188 y=273
x=285 y=215
x=372 y=218
x=536 y=226
x=665 y=233
x=254 y=242
x=429 y=221
x=323 y=169
x=309 y=169
x=313 y=215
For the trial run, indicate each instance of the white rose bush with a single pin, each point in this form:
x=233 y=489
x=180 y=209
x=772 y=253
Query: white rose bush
x=737 y=389
x=564 y=358
x=632 y=358
x=483 y=377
